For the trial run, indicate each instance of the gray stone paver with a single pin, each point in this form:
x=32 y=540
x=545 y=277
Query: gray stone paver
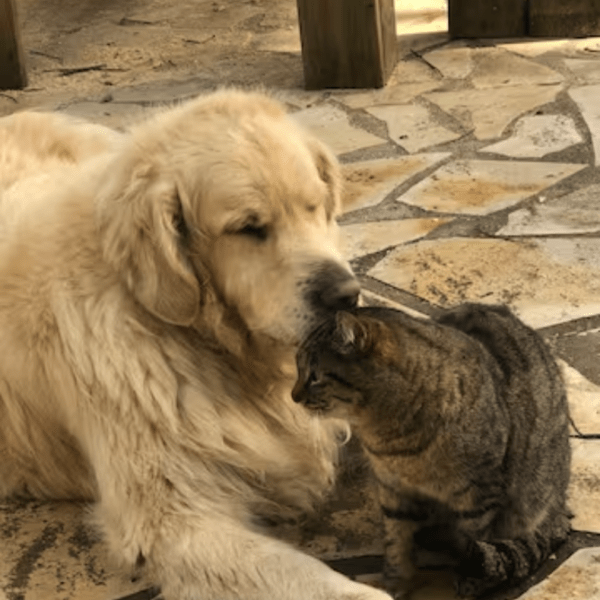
x=432 y=228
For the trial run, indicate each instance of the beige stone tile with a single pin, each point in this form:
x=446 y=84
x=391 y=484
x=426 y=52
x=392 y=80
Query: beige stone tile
x=412 y=127
x=479 y=187
x=489 y=111
x=411 y=70
x=584 y=487
x=537 y=136
x=576 y=579
x=584 y=400
x=586 y=99
x=111 y=114
x=47 y=551
x=545 y=283
x=331 y=125
x=299 y=98
x=402 y=93
x=574 y=213
x=366 y=238
x=367 y=183
x=421 y=16
x=453 y=63
x=494 y=67
x=587 y=71
x=533 y=48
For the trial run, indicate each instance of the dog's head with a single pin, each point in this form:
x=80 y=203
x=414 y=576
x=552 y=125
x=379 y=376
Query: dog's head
x=227 y=199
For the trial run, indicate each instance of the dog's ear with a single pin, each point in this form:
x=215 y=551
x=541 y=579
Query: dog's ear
x=329 y=171
x=145 y=237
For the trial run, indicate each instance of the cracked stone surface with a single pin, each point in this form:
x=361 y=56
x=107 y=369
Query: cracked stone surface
x=506 y=210
x=479 y=187
x=537 y=136
x=586 y=98
x=495 y=68
x=412 y=126
x=488 y=117
x=546 y=283
x=576 y=579
x=367 y=183
x=331 y=125
x=578 y=212
x=366 y=238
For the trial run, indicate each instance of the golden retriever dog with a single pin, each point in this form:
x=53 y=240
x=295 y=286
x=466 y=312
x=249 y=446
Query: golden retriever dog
x=153 y=287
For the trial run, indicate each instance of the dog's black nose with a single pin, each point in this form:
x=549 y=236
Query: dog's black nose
x=341 y=295
x=334 y=288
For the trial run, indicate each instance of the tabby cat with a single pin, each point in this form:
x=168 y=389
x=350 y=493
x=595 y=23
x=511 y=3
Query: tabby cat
x=464 y=420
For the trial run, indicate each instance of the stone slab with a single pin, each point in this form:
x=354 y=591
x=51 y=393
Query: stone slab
x=479 y=187
x=584 y=400
x=572 y=214
x=48 y=551
x=412 y=127
x=453 y=63
x=331 y=125
x=367 y=183
x=368 y=298
x=586 y=70
x=162 y=92
x=545 y=282
x=586 y=99
x=365 y=238
x=487 y=112
x=582 y=351
x=576 y=579
x=584 y=488
x=494 y=67
x=537 y=136
x=391 y=94
x=111 y=114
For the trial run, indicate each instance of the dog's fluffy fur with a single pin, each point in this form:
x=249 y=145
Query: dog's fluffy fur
x=153 y=285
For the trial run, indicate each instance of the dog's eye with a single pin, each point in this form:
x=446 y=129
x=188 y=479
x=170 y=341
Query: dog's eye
x=260 y=232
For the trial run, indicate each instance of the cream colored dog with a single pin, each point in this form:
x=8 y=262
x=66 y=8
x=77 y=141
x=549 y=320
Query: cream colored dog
x=153 y=285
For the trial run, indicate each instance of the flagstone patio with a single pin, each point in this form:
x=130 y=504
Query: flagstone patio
x=473 y=176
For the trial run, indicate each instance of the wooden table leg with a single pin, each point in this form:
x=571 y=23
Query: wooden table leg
x=12 y=63
x=347 y=43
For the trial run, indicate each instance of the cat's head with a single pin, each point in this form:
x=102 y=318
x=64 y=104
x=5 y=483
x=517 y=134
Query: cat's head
x=336 y=363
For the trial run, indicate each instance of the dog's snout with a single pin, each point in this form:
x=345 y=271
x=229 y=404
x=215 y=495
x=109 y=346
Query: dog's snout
x=335 y=288
x=341 y=295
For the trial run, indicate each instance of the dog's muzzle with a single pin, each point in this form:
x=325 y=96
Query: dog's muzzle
x=333 y=288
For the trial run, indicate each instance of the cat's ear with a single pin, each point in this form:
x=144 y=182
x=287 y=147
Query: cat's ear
x=351 y=335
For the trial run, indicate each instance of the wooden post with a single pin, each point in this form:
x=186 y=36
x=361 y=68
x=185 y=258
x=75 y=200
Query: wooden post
x=347 y=43
x=554 y=18
x=487 y=18
x=12 y=64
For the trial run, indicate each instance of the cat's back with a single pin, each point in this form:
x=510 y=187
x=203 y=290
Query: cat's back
x=532 y=390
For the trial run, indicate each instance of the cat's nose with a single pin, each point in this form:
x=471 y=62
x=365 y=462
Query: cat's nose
x=334 y=288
